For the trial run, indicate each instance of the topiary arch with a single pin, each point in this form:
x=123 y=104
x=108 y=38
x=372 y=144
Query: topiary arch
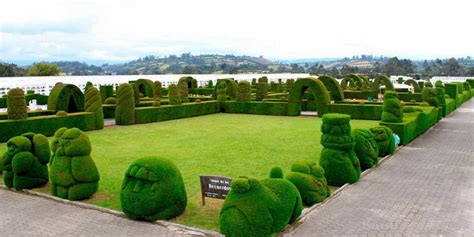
x=190 y=81
x=231 y=87
x=413 y=83
x=359 y=82
x=346 y=81
x=335 y=90
x=316 y=87
x=66 y=97
x=381 y=79
x=145 y=86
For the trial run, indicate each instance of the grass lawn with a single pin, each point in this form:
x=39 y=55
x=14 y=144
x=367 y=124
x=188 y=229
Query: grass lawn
x=228 y=145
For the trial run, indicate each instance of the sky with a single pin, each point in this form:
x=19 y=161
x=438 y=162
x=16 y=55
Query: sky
x=123 y=30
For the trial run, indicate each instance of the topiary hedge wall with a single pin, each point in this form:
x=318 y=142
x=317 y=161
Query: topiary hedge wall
x=173 y=95
x=125 y=109
x=382 y=80
x=183 y=92
x=316 y=88
x=221 y=90
x=262 y=89
x=16 y=104
x=255 y=107
x=333 y=87
x=167 y=112
x=391 y=109
x=93 y=103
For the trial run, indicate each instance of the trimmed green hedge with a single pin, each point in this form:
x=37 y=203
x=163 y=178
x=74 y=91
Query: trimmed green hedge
x=316 y=88
x=382 y=80
x=391 y=109
x=429 y=95
x=385 y=141
x=454 y=90
x=124 y=110
x=366 y=148
x=356 y=111
x=66 y=97
x=93 y=103
x=32 y=113
x=360 y=94
x=308 y=177
x=413 y=83
x=244 y=91
x=167 y=112
x=408 y=96
x=333 y=87
x=105 y=92
x=255 y=107
x=16 y=104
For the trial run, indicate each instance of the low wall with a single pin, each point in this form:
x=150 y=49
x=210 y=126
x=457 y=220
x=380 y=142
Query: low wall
x=255 y=107
x=169 y=112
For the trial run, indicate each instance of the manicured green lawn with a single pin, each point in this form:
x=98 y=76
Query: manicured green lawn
x=228 y=145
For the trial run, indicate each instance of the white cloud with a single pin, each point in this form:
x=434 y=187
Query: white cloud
x=123 y=30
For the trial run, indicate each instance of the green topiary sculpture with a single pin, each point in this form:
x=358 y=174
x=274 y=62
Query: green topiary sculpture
x=308 y=177
x=366 y=148
x=88 y=85
x=25 y=162
x=173 y=95
x=93 y=103
x=439 y=83
x=136 y=93
x=428 y=84
x=244 y=91
x=259 y=208
x=110 y=101
x=183 y=91
x=157 y=92
x=385 y=140
x=16 y=104
x=222 y=92
x=61 y=113
x=262 y=88
x=428 y=94
x=74 y=175
x=391 y=109
x=125 y=109
x=338 y=158
x=210 y=84
x=289 y=84
x=153 y=189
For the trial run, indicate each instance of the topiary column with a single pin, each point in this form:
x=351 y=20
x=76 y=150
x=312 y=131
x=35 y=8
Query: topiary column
x=440 y=92
x=391 y=109
x=210 y=84
x=153 y=189
x=183 y=91
x=289 y=84
x=173 y=95
x=338 y=158
x=385 y=140
x=136 y=93
x=125 y=108
x=244 y=91
x=16 y=104
x=366 y=148
x=93 y=103
x=222 y=92
x=157 y=92
x=262 y=88
x=88 y=85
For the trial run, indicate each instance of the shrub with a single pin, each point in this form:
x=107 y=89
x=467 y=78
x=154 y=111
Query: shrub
x=153 y=189
x=391 y=109
x=222 y=92
x=429 y=95
x=16 y=104
x=385 y=141
x=136 y=93
x=308 y=177
x=157 y=91
x=183 y=91
x=262 y=88
x=210 y=84
x=29 y=92
x=24 y=163
x=259 y=208
x=61 y=113
x=93 y=103
x=254 y=81
x=74 y=175
x=338 y=158
x=244 y=91
x=110 y=101
x=173 y=95
x=125 y=109
x=105 y=91
x=366 y=148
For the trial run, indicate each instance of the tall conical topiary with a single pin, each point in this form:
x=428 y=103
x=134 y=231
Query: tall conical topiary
x=428 y=94
x=16 y=104
x=88 y=85
x=338 y=158
x=157 y=92
x=93 y=103
x=183 y=91
x=210 y=84
x=366 y=148
x=391 y=109
x=125 y=108
x=385 y=140
x=244 y=91
x=173 y=95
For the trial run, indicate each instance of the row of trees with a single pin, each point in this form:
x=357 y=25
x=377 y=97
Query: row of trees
x=38 y=69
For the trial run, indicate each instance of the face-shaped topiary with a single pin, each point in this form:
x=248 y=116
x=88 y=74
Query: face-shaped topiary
x=308 y=177
x=429 y=95
x=391 y=109
x=74 y=175
x=259 y=208
x=153 y=189
x=366 y=148
x=385 y=140
x=25 y=161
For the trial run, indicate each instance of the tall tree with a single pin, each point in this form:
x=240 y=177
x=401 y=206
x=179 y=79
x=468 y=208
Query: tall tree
x=44 y=69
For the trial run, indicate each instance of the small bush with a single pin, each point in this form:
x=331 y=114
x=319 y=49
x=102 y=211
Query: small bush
x=439 y=83
x=289 y=84
x=308 y=177
x=16 y=104
x=429 y=95
x=244 y=91
x=366 y=148
x=391 y=108
x=125 y=109
x=210 y=84
x=61 y=113
x=173 y=95
x=385 y=141
x=110 y=101
x=153 y=189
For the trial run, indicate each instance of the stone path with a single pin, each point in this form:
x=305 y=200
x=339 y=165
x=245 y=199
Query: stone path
x=425 y=189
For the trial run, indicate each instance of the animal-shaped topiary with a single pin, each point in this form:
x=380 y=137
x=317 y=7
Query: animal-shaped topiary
x=25 y=162
x=428 y=94
x=385 y=140
x=338 y=158
x=153 y=189
x=260 y=208
x=391 y=109
x=74 y=175
x=366 y=148
x=308 y=177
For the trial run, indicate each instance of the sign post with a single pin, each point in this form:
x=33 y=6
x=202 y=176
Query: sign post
x=214 y=187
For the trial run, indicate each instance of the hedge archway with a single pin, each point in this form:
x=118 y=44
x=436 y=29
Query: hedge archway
x=359 y=82
x=335 y=90
x=66 y=97
x=190 y=81
x=317 y=89
x=414 y=84
x=348 y=83
x=231 y=87
x=381 y=79
x=145 y=86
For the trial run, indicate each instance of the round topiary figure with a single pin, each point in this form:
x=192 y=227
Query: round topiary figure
x=153 y=189
x=110 y=101
x=244 y=91
x=16 y=104
x=173 y=95
x=385 y=141
x=428 y=94
x=125 y=109
x=391 y=109
x=74 y=175
x=259 y=208
x=93 y=103
x=61 y=113
x=366 y=148
x=25 y=162
x=222 y=92
x=338 y=158
x=308 y=177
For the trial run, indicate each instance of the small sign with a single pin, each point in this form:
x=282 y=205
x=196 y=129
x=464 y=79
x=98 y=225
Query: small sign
x=214 y=187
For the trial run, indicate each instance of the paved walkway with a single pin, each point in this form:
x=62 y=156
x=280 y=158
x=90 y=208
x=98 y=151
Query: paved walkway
x=425 y=189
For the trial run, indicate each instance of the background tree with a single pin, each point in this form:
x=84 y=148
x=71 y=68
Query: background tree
x=44 y=69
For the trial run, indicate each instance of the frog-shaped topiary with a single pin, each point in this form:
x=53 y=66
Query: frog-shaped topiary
x=338 y=158
x=366 y=148
x=74 y=175
x=308 y=177
x=25 y=162
x=260 y=208
x=153 y=189
x=429 y=95
x=391 y=109
x=385 y=141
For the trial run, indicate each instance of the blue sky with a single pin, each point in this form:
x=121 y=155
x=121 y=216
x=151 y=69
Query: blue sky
x=122 y=30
